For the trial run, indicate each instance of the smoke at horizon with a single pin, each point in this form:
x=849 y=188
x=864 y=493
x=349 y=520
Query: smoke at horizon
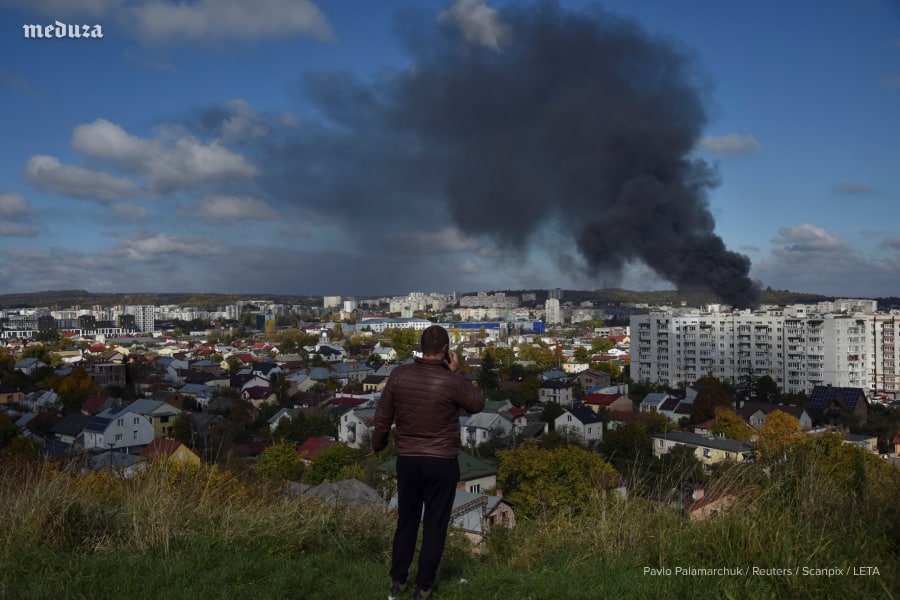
x=523 y=123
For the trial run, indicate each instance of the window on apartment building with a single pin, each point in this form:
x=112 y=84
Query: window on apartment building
x=706 y=453
x=135 y=434
x=136 y=420
x=475 y=488
x=120 y=422
x=659 y=443
x=119 y=437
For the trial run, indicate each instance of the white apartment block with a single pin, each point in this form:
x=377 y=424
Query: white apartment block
x=885 y=372
x=144 y=316
x=331 y=302
x=380 y=325
x=798 y=346
x=552 y=314
x=484 y=300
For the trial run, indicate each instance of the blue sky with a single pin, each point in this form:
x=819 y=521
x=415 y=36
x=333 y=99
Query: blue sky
x=321 y=148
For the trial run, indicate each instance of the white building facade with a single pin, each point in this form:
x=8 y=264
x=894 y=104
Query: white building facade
x=144 y=316
x=552 y=315
x=798 y=346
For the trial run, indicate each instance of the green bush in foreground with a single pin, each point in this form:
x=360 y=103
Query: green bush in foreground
x=172 y=533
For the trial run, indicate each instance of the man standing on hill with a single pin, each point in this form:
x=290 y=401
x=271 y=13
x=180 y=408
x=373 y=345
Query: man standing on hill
x=424 y=399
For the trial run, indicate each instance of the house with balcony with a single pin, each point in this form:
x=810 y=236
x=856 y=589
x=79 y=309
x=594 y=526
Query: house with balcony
x=356 y=427
x=483 y=427
x=558 y=391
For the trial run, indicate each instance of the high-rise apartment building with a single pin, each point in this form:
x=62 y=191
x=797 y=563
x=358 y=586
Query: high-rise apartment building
x=797 y=346
x=885 y=371
x=144 y=316
x=552 y=314
x=331 y=301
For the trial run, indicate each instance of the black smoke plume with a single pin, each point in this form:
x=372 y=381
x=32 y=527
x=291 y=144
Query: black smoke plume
x=580 y=123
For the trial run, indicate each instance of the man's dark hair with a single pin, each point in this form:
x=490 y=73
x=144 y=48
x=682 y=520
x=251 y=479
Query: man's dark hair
x=434 y=339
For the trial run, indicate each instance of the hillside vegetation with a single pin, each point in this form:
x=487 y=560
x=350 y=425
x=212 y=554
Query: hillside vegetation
x=809 y=527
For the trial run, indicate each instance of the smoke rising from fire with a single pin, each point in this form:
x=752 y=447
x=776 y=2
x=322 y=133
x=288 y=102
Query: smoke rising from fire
x=581 y=124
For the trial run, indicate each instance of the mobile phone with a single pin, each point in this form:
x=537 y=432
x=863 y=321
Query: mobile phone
x=447 y=356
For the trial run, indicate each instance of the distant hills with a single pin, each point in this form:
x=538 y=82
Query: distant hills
x=60 y=299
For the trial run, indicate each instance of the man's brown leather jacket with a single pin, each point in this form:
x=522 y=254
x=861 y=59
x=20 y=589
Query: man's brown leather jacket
x=424 y=398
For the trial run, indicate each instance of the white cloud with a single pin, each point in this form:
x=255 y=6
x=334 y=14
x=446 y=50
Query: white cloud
x=16 y=216
x=231 y=209
x=733 y=144
x=146 y=247
x=13 y=206
x=167 y=162
x=242 y=123
x=479 y=23
x=809 y=259
x=47 y=173
x=61 y=8
x=208 y=21
x=808 y=238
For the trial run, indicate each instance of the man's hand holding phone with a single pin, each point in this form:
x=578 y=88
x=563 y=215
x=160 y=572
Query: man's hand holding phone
x=451 y=359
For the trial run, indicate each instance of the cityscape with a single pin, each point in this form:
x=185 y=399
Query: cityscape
x=528 y=351
x=671 y=400
x=662 y=238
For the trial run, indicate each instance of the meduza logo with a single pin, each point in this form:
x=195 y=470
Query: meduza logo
x=62 y=30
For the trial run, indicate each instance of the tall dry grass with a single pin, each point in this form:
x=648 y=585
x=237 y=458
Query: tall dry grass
x=165 y=504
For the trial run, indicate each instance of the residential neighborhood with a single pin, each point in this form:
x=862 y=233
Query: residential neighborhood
x=272 y=377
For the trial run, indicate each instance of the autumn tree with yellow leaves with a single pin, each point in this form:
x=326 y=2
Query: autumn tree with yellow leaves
x=546 y=482
x=777 y=435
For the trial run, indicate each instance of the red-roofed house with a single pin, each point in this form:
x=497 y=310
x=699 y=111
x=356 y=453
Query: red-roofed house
x=259 y=395
x=313 y=446
x=347 y=401
x=619 y=402
x=95 y=405
x=167 y=449
x=702 y=504
x=620 y=417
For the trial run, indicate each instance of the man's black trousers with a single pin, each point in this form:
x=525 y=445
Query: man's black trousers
x=429 y=483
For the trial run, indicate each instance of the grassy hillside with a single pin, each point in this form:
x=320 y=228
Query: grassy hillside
x=204 y=534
